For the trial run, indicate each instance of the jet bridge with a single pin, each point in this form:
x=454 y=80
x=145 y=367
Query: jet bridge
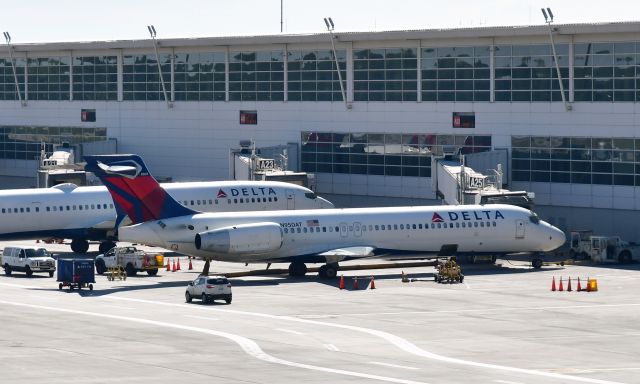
x=456 y=183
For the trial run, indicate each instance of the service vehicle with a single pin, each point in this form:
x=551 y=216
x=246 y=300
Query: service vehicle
x=76 y=273
x=29 y=260
x=133 y=260
x=602 y=249
x=208 y=289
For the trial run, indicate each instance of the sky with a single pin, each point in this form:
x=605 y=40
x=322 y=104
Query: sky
x=39 y=21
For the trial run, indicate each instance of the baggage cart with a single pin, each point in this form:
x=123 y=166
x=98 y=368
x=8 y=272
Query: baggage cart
x=76 y=273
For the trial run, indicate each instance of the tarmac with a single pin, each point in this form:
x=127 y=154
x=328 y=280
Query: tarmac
x=503 y=324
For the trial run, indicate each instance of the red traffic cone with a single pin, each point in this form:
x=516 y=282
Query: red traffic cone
x=190 y=265
x=553 y=284
x=588 y=285
x=173 y=267
x=569 y=285
x=560 y=287
x=341 y=286
x=355 y=283
x=579 y=286
x=373 y=283
x=178 y=267
x=168 y=265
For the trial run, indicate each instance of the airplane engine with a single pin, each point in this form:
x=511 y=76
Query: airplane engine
x=242 y=239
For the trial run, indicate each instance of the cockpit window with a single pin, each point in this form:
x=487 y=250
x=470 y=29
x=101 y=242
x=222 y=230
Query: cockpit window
x=310 y=195
x=534 y=218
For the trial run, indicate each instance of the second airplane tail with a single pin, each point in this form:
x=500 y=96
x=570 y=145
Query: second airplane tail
x=134 y=191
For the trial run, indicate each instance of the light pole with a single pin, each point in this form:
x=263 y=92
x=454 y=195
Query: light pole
x=7 y=37
x=152 y=32
x=330 y=27
x=548 y=18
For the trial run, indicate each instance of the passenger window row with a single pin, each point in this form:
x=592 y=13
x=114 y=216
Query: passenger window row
x=59 y=208
x=230 y=201
x=394 y=227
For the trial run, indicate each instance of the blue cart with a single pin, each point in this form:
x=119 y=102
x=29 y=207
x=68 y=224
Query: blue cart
x=76 y=273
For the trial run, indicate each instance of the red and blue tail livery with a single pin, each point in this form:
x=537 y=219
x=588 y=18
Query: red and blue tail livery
x=134 y=191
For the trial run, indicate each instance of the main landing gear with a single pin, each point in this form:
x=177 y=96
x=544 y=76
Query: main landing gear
x=80 y=246
x=327 y=271
x=297 y=269
x=105 y=246
x=537 y=261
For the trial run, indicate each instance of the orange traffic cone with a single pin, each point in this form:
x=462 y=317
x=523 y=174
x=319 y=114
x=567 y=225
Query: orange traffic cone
x=341 y=286
x=560 y=288
x=579 y=287
x=553 y=284
x=168 y=265
x=588 y=285
x=373 y=283
x=190 y=265
x=569 y=285
x=173 y=267
x=178 y=267
x=355 y=283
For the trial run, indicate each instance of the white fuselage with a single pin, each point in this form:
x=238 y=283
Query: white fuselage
x=68 y=211
x=478 y=229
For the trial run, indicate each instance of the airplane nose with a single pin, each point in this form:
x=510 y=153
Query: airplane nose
x=556 y=238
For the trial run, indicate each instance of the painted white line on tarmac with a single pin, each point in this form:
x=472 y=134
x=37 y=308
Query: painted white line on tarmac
x=393 y=365
x=331 y=347
x=248 y=346
x=507 y=382
x=289 y=331
x=399 y=342
x=480 y=310
x=202 y=317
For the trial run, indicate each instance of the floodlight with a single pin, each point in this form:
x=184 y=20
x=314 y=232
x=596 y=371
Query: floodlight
x=544 y=13
x=550 y=13
x=332 y=26
x=326 y=22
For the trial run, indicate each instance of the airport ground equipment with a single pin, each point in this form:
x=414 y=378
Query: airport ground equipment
x=29 y=260
x=133 y=260
x=449 y=272
x=603 y=249
x=116 y=272
x=76 y=273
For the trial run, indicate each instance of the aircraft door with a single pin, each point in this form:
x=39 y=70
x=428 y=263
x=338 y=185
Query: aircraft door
x=291 y=199
x=344 y=229
x=519 y=229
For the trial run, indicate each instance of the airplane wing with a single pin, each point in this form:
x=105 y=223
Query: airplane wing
x=350 y=252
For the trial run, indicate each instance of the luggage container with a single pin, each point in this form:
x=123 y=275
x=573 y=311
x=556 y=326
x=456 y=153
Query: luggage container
x=76 y=273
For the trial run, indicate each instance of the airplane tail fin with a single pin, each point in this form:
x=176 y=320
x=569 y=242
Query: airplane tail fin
x=134 y=191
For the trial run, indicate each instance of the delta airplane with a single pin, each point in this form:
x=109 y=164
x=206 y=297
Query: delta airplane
x=67 y=211
x=311 y=236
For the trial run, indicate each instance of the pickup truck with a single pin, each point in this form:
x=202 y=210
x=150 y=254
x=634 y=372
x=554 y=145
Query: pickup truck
x=133 y=260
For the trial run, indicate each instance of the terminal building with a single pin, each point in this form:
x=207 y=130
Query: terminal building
x=368 y=132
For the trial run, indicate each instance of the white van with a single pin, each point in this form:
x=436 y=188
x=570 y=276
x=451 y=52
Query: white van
x=28 y=260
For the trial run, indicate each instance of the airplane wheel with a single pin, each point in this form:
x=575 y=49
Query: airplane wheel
x=106 y=246
x=536 y=263
x=297 y=269
x=79 y=245
x=331 y=271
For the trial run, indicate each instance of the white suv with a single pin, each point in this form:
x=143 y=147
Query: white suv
x=208 y=289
